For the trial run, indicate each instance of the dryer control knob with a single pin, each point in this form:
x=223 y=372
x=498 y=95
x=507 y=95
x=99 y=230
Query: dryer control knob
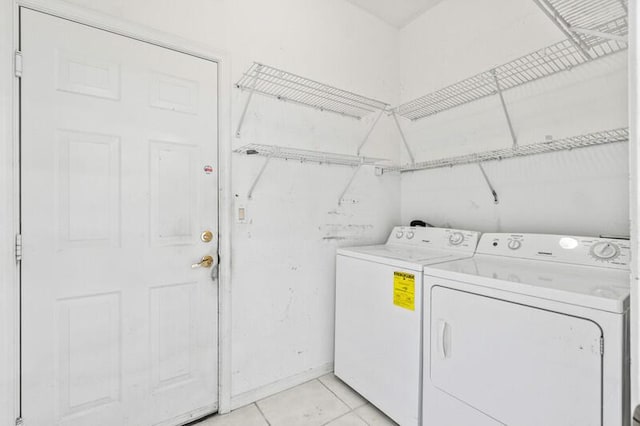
x=456 y=238
x=514 y=244
x=399 y=234
x=410 y=235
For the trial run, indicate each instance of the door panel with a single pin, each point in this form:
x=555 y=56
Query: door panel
x=117 y=327
x=520 y=365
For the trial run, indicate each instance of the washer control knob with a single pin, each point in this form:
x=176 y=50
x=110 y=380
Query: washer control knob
x=514 y=244
x=605 y=251
x=399 y=234
x=410 y=235
x=456 y=238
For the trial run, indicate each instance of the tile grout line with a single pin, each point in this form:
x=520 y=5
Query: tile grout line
x=360 y=417
x=351 y=410
x=345 y=415
x=261 y=413
x=335 y=394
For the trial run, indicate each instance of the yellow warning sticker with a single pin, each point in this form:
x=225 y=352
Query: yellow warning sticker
x=404 y=290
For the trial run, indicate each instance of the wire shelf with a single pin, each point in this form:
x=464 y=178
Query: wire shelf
x=582 y=19
x=542 y=63
x=308 y=156
x=289 y=87
x=582 y=141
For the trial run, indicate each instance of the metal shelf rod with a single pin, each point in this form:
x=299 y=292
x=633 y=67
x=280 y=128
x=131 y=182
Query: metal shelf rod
x=258 y=176
x=404 y=139
x=491 y=188
x=344 y=192
x=504 y=108
x=373 y=126
x=246 y=106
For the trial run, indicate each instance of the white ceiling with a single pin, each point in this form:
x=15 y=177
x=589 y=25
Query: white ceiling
x=396 y=12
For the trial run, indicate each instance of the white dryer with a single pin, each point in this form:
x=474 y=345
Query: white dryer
x=531 y=331
x=378 y=332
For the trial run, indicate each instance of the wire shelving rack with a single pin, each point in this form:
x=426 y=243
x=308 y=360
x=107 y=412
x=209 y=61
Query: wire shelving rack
x=553 y=59
x=587 y=22
x=285 y=86
x=594 y=29
x=309 y=156
x=565 y=144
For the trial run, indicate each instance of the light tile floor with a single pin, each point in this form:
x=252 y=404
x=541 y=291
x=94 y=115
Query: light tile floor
x=325 y=401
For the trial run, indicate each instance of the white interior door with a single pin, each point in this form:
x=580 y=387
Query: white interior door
x=520 y=365
x=119 y=180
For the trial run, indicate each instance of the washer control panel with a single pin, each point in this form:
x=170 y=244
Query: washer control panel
x=437 y=238
x=590 y=251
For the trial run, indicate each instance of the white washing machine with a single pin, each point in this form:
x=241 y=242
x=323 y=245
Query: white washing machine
x=379 y=314
x=531 y=331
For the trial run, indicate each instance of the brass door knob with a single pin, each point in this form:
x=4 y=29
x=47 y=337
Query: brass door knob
x=205 y=262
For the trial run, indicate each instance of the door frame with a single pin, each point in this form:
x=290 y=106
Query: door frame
x=634 y=202
x=10 y=184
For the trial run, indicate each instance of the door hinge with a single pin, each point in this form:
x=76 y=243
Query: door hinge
x=18 y=64
x=602 y=346
x=19 y=247
x=19 y=421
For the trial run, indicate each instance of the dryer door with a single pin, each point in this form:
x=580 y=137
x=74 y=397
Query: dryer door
x=518 y=364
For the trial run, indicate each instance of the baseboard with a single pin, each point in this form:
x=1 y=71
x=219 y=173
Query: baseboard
x=257 y=394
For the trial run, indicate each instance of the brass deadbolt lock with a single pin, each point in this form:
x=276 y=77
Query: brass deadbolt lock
x=206 y=236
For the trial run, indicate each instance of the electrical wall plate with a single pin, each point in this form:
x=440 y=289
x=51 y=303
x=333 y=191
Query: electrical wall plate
x=241 y=213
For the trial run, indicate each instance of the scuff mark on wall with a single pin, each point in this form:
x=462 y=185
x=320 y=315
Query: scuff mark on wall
x=339 y=232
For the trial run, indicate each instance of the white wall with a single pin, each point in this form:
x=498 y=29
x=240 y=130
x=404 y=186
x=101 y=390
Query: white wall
x=584 y=192
x=283 y=258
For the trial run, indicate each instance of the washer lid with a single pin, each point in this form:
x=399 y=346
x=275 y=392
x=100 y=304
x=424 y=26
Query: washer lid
x=403 y=256
x=592 y=287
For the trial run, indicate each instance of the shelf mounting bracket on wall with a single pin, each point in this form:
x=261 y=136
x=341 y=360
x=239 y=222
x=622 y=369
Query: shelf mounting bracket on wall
x=404 y=139
x=247 y=102
x=353 y=176
x=491 y=188
x=373 y=126
x=601 y=34
x=259 y=175
x=504 y=108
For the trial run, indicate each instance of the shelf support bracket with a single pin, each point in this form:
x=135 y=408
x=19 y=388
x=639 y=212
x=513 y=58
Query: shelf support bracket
x=504 y=108
x=601 y=34
x=404 y=139
x=259 y=175
x=373 y=126
x=491 y=188
x=248 y=101
x=563 y=26
x=353 y=176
